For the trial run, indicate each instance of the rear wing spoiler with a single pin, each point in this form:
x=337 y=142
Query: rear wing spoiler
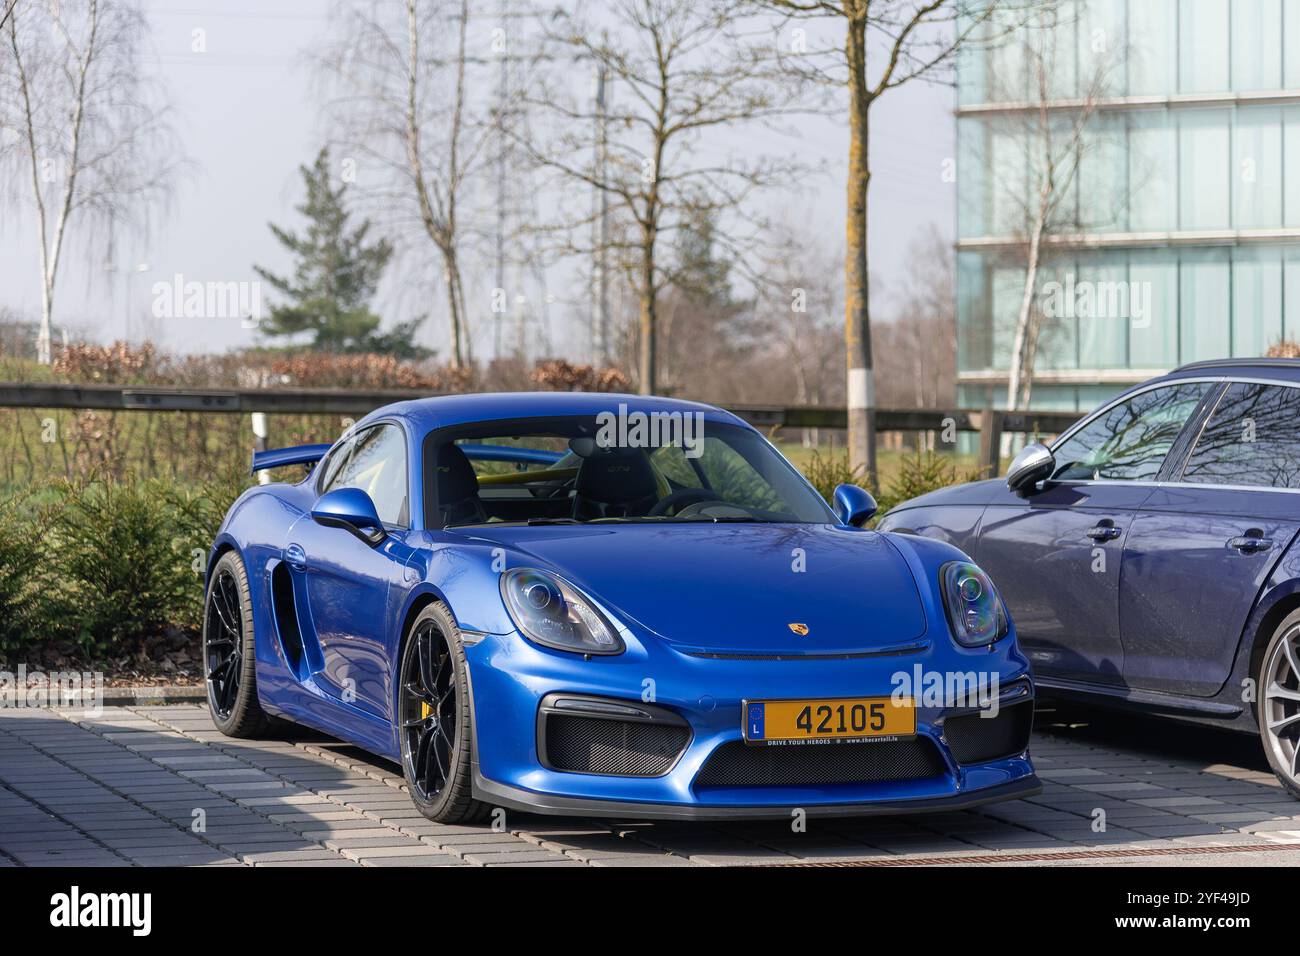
x=295 y=455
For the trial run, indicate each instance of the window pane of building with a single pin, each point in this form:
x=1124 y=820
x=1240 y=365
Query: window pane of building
x=1009 y=182
x=1291 y=293
x=1257 y=45
x=1291 y=43
x=1257 y=168
x=1103 y=324
x=1058 y=345
x=1256 y=300
x=1153 y=339
x=1152 y=179
x=1202 y=45
x=1008 y=290
x=1251 y=439
x=1205 y=282
x=1102 y=176
x=1203 y=183
x=1101 y=38
x=1152 y=45
x=1291 y=162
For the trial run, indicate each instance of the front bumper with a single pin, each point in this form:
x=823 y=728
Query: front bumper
x=510 y=678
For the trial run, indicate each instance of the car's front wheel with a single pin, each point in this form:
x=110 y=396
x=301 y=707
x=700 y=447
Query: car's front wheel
x=433 y=716
x=1279 y=702
x=229 y=651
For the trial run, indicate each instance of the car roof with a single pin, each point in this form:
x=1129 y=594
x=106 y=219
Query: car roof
x=441 y=411
x=1273 y=369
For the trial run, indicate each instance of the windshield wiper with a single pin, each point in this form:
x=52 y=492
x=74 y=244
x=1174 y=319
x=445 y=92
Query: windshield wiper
x=534 y=521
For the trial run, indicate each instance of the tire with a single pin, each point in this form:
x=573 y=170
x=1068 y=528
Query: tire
x=433 y=720
x=230 y=651
x=1278 y=702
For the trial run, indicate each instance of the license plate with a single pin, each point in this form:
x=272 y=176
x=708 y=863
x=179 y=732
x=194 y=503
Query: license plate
x=849 y=718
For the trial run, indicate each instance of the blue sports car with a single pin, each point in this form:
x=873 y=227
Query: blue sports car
x=610 y=605
x=1150 y=555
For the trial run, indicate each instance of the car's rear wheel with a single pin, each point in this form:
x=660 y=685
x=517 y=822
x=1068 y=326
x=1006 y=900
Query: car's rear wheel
x=1279 y=702
x=433 y=716
x=229 y=651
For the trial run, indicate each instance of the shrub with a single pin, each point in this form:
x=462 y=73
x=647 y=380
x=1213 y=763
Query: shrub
x=918 y=473
x=123 y=561
x=921 y=472
x=20 y=563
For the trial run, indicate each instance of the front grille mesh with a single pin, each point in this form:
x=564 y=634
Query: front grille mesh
x=737 y=764
x=622 y=747
x=976 y=739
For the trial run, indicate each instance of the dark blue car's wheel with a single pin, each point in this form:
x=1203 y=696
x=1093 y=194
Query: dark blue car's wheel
x=433 y=719
x=1279 y=703
x=228 y=651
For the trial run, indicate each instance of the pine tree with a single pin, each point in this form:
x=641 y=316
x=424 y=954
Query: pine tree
x=335 y=278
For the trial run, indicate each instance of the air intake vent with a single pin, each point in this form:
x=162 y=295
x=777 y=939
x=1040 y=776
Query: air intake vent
x=976 y=739
x=737 y=764
x=623 y=748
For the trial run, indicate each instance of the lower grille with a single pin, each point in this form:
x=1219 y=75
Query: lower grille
x=621 y=747
x=976 y=739
x=737 y=764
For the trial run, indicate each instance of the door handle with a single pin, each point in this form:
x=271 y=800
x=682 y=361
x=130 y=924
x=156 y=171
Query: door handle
x=296 y=557
x=1104 y=532
x=1250 y=543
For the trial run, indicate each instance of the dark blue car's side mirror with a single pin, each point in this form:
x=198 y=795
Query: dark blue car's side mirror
x=352 y=510
x=1035 y=463
x=854 y=505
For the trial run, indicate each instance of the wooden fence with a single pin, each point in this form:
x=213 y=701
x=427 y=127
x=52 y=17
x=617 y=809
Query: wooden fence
x=990 y=424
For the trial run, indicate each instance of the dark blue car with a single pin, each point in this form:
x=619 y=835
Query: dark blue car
x=1149 y=556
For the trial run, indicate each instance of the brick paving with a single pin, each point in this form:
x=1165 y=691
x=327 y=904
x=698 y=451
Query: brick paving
x=158 y=786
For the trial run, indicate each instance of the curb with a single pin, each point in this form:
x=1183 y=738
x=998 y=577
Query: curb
x=143 y=696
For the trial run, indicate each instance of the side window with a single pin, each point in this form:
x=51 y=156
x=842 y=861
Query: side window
x=329 y=467
x=1250 y=439
x=377 y=465
x=1129 y=441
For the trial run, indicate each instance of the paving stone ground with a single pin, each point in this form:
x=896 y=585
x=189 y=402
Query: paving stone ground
x=158 y=786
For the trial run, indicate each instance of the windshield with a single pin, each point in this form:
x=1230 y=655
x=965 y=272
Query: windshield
x=584 y=470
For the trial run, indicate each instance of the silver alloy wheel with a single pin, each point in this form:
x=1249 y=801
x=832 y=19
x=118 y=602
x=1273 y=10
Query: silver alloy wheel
x=1281 y=710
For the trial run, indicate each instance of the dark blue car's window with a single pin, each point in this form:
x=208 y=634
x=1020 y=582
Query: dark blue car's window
x=1251 y=439
x=1129 y=442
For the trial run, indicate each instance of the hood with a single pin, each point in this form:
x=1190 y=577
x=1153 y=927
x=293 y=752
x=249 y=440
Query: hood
x=971 y=493
x=734 y=588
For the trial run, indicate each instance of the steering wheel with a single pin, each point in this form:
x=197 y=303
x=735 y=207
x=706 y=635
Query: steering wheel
x=680 y=499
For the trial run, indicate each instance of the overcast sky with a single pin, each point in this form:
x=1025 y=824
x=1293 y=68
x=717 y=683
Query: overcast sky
x=247 y=115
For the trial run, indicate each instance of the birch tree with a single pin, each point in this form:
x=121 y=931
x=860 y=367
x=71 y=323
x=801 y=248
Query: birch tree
x=887 y=44
x=680 y=70
x=1056 y=139
x=90 y=147
x=400 y=74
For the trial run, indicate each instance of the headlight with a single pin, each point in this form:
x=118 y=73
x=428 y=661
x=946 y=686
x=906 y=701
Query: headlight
x=555 y=614
x=975 y=612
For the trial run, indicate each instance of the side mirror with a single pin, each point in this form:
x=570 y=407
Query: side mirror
x=352 y=510
x=1035 y=463
x=854 y=505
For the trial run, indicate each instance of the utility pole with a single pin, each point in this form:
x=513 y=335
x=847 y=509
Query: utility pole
x=503 y=145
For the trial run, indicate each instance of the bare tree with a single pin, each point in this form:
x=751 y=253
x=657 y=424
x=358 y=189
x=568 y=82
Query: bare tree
x=401 y=72
x=906 y=40
x=1056 y=140
x=94 y=147
x=680 y=70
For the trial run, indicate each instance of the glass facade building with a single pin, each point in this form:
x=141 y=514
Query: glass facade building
x=1183 y=209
